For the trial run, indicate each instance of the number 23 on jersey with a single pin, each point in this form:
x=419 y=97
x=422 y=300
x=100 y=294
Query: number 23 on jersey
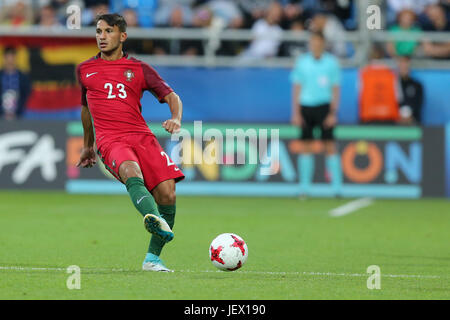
x=119 y=90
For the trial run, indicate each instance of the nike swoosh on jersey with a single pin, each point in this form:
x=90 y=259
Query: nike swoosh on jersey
x=90 y=74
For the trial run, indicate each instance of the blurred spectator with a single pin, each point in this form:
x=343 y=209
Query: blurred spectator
x=379 y=92
x=177 y=19
x=47 y=17
x=130 y=17
x=226 y=14
x=267 y=34
x=411 y=97
x=333 y=31
x=227 y=11
x=59 y=6
x=174 y=13
x=252 y=10
x=394 y=7
x=93 y=9
x=16 y=13
x=136 y=46
x=294 y=48
x=437 y=21
x=293 y=13
x=406 y=26
x=144 y=10
x=15 y=87
x=342 y=9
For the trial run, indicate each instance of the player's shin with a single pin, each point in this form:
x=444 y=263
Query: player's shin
x=306 y=169
x=156 y=243
x=141 y=197
x=333 y=163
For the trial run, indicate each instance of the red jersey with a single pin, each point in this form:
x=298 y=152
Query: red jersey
x=113 y=89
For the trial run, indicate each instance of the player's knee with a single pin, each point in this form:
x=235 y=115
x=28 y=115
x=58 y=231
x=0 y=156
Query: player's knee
x=165 y=197
x=330 y=147
x=168 y=197
x=129 y=169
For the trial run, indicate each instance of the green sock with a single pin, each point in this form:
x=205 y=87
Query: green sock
x=168 y=213
x=141 y=198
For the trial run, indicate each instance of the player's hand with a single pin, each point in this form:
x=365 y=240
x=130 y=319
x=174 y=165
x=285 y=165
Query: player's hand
x=330 y=121
x=172 y=125
x=87 y=158
x=297 y=120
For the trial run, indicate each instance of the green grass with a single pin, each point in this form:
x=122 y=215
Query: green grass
x=296 y=250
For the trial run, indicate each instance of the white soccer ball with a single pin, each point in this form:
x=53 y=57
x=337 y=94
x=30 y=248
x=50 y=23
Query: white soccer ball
x=228 y=252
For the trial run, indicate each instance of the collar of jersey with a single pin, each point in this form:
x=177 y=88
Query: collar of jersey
x=125 y=56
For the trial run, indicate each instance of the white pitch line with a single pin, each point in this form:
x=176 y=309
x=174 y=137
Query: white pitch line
x=304 y=273
x=351 y=207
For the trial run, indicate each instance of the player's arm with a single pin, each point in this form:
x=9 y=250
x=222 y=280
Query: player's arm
x=334 y=105
x=87 y=157
x=296 y=114
x=176 y=109
x=162 y=91
x=436 y=50
x=331 y=119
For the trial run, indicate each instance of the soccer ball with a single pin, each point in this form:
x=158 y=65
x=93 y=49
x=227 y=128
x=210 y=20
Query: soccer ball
x=228 y=252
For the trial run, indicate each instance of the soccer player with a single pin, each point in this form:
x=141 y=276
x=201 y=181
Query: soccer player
x=316 y=83
x=112 y=85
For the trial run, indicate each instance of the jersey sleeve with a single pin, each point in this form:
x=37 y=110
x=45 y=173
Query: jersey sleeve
x=83 y=88
x=296 y=75
x=154 y=83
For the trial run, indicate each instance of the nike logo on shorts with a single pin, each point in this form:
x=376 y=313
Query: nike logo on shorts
x=90 y=74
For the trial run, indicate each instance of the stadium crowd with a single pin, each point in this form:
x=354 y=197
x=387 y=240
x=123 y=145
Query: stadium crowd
x=266 y=18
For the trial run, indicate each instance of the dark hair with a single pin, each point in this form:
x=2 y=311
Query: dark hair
x=113 y=19
x=9 y=50
x=317 y=34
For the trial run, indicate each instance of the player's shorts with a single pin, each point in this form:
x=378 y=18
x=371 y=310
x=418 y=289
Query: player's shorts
x=314 y=117
x=156 y=166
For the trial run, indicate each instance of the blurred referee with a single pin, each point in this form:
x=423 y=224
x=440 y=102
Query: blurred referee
x=316 y=85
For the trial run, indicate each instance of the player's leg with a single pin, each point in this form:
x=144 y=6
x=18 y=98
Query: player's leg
x=306 y=159
x=131 y=175
x=332 y=158
x=333 y=165
x=164 y=194
x=160 y=174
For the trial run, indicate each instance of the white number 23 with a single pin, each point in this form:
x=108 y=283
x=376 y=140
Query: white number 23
x=120 y=86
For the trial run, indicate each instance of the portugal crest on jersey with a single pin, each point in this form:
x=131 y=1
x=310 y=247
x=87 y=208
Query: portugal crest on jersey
x=129 y=75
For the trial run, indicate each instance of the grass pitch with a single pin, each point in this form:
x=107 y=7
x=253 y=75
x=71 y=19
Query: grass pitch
x=296 y=250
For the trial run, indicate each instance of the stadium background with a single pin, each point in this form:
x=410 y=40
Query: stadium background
x=412 y=162
x=54 y=215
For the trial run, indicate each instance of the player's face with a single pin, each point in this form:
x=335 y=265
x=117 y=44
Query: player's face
x=403 y=66
x=109 y=38
x=316 y=45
